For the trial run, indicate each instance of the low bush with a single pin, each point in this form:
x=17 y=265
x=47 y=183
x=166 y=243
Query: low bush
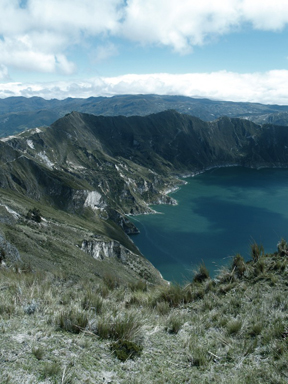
x=125 y=349
x=34 y=214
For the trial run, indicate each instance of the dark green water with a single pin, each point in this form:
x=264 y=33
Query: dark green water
x=219 y=213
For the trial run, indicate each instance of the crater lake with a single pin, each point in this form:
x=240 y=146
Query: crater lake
x=220 y=213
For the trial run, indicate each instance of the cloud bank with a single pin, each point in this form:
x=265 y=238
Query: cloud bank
x=37 y=35
x=268 y=88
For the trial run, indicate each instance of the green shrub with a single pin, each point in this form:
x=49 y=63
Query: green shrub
x=125 y=349
x=34 y=215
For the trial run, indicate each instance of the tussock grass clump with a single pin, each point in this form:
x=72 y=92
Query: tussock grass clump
x=122 y=327
x=111 y=281
x=233 y=326
x=174 y=323
x=202 y=274
x=282 y=247
x=162 y=308
x=38 y=352
x=92 y=301
x=256 y=328
x=140 y=285
x=72 y=320
x=238 y=266
x=174 y=295
x=256 y=251
x=198 y=356
x=51 y=370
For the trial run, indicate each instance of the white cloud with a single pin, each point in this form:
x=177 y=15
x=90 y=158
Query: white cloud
x=267 y=87
x=38 y=36
x=179 y=24
x=182 y=25
x=45 y=29
x=20 y=53
x=265 y=14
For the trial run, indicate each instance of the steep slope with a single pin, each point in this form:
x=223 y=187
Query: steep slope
x=126 y=163
x=100 y=168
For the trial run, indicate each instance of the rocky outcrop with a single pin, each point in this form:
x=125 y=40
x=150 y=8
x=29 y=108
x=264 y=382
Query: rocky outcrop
x=100 y=249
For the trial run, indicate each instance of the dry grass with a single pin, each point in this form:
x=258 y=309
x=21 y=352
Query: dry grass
x=54 y=329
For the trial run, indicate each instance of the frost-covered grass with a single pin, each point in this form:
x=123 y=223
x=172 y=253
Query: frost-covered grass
x=54 y=329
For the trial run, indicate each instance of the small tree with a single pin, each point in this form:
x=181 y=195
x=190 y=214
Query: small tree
x=34 y=214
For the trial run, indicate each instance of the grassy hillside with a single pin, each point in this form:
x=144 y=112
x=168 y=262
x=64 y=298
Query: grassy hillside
x=55 y=243
x=55 y=329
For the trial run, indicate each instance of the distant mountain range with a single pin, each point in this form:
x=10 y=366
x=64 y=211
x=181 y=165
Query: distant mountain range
x=20 y=113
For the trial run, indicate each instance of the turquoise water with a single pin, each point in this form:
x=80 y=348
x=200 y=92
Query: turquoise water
x=219 y=213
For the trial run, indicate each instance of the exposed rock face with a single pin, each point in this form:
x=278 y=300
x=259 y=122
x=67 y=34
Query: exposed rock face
x=94 y=200
x=100 y=249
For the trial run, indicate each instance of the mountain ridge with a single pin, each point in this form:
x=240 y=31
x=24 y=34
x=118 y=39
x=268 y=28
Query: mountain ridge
x=20 y=113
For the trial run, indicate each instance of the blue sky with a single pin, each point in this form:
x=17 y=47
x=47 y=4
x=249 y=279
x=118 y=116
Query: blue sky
x=221 y=49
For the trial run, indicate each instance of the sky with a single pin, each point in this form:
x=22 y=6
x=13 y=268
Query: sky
x=233 y=50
